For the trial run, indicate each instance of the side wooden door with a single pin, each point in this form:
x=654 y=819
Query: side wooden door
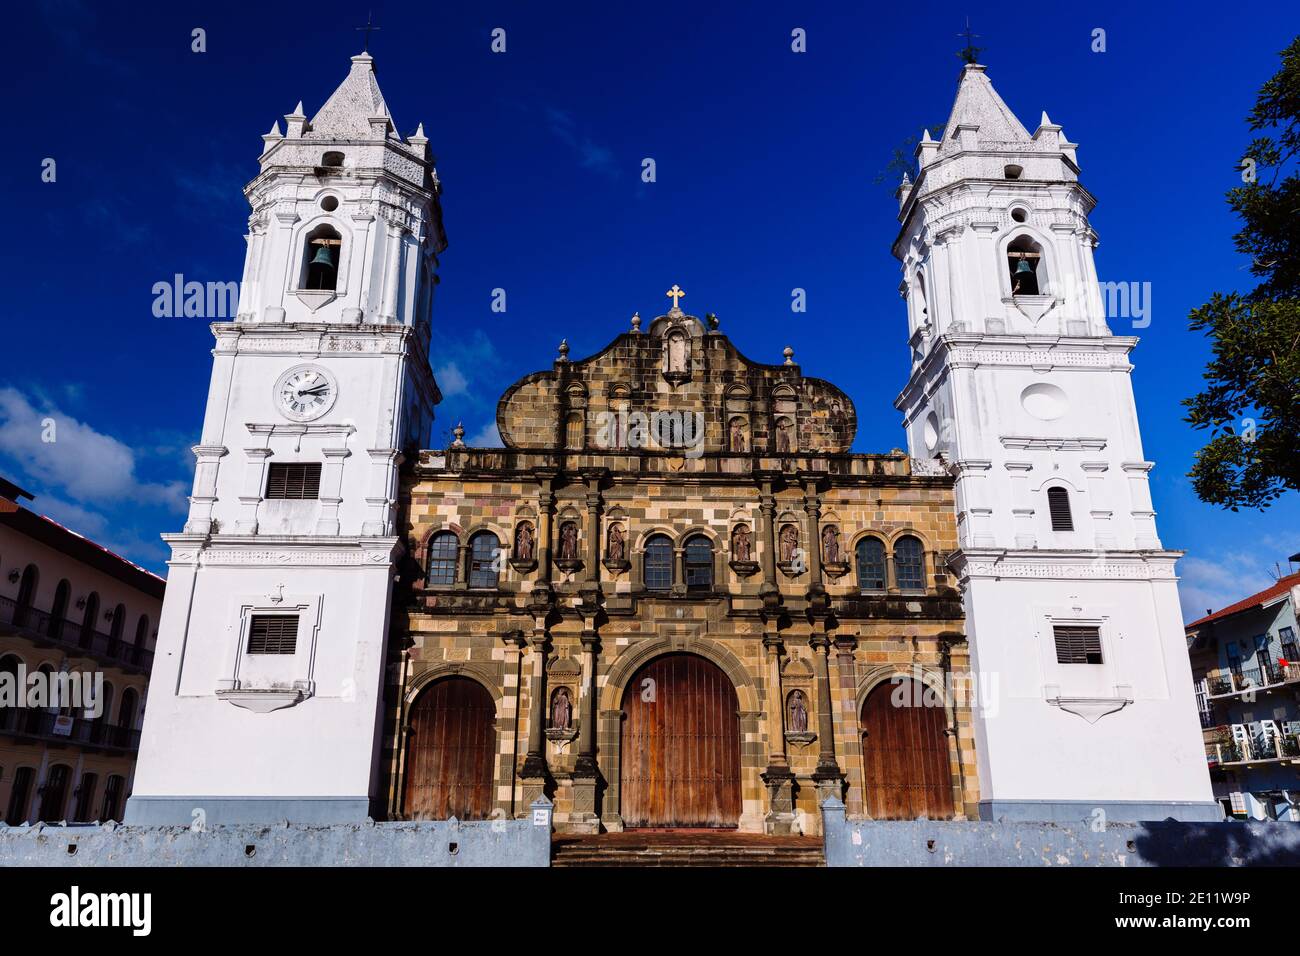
x=905 y=755
x=451 y=746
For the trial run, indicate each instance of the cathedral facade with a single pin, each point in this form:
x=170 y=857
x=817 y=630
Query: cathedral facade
x=676 y=599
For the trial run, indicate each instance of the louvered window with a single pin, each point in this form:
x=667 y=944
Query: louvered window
x=1078 y=645
x=294 y=480
x=1058 y=504
x=273 y=634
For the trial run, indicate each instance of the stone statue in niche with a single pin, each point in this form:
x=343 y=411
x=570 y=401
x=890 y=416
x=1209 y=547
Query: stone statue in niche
x=617 y=549
x=798 y=713
x=568 y=541
x=741 y=543
x=524 y=542
x=677 y=353
x=831 y=544
x=789 y=542
x=784 y=436
x=737 y=440
x=838 y=419
x=561 y=709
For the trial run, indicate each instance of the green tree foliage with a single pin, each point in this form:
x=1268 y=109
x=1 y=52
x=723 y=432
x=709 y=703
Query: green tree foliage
x=1251 y=401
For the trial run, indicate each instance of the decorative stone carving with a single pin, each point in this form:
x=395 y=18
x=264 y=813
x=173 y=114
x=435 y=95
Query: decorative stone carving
x=561 y=709
x=567 y=556
x=523 y=556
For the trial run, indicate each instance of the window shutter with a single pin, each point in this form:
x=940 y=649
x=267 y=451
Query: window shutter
x=273 y=634
x=1058 y=504
x=298 y=480
x=1078 y=645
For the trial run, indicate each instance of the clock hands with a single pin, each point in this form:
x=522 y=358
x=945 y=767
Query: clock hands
x=312 y=391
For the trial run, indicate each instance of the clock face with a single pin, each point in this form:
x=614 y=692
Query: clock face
x=305 y=393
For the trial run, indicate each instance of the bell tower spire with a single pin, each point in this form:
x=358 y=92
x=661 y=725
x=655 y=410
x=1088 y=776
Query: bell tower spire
x=274 y=630
x=1019 y=389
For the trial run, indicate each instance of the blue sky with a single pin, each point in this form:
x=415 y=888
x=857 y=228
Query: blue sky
x=767 y=165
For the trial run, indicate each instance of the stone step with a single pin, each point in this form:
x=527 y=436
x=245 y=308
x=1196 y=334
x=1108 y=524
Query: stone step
x=686 y=855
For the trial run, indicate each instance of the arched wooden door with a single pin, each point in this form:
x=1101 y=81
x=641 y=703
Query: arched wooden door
x=905 y=753
x=451 y=745
x=680 y=746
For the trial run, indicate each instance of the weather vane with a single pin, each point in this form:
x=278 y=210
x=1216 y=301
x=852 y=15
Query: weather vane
x=368 y=27
x=970 y=53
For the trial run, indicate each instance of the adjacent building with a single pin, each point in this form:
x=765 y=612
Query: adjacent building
x=77 y=627
x=1246 y=665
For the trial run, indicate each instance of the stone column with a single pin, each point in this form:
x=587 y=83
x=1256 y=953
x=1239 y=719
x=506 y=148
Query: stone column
x=591 y=571
x=392 y=273
x=851 y=733
x=545 y=512
x=765 y=540
x=778 y=778
x=515 y=642
x=812 y=506
x=586 y=773
x=827 y=777
x=535 y=770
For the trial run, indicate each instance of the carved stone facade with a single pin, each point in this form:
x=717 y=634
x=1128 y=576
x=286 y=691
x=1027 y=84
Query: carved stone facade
x=643 y=543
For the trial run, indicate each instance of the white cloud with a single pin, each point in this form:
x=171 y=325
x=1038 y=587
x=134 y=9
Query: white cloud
x=89 y=466
x=451 y=380
x=485 y=437
x=1214 y=583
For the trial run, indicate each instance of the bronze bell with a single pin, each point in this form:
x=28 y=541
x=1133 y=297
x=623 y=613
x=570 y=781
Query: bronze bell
x=323 y=257
x=1024 y=267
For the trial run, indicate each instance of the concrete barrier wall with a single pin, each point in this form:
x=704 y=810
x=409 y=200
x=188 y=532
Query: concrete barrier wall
x=981 y=843
x=524 y=842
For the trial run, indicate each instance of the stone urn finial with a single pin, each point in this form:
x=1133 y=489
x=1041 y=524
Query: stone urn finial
x=712 y=319
x=789 y=355
x=636 y=322
x=459 y=432
x=564 y=350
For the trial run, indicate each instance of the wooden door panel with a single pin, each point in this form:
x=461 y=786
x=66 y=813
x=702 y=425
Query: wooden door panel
x=451 y=751
x=680 y=749
x=905 y=755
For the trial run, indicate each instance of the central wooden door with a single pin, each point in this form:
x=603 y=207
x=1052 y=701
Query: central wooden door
x=680 y=746
x=451 y=746
x=905 y=754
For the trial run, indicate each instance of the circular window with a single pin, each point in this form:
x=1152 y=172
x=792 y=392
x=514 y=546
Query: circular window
x=1044 y=402
x=1019 y=214
x=329 y=203
x=930 y=432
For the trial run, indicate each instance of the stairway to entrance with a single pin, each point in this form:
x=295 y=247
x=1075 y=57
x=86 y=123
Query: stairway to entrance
x=686 y=848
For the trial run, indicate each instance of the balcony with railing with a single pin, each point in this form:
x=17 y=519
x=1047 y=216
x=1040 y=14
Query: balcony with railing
x=75 y=637
x=38 y=724
x=1267 y=675
x=1225 y=750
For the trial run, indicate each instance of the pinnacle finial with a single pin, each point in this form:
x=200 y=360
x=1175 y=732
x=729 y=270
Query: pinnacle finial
x=564 y=350
x=789 y=355
x=459 y=432
x=636 y=322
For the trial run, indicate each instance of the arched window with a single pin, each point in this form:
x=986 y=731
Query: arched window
x=85 y=796
x=484 y=548
x=442 y=559
x=332 y=158
x=574 y=431
x=871 y=564
x=88 y=621
x=658 y=571
x=922 y=306
x=9 y=715
x=54 y=795
x=1025 y=259
x=909 y=564
x=59 y=609
x=320 y=258
x=26 y=595
x=141 y=635
x=20 y=794
x=1058 y=507
x=699 y=563
x=116 y=628
x=126 y=717
x=111 y=810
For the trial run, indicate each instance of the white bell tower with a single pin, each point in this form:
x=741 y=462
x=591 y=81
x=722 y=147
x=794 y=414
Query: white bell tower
x=265 y=703
x=1020 y=390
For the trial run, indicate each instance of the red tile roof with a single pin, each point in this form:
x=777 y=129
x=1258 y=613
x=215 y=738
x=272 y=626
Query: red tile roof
x=1279 y=588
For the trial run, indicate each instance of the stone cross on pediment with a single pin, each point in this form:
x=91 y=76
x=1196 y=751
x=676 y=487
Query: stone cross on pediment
x=675 y=294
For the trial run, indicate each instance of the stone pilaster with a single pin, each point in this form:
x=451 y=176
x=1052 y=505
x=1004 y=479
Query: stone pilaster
x=828 y=777
x=778 y=778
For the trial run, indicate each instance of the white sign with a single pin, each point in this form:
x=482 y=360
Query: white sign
x=541 y=818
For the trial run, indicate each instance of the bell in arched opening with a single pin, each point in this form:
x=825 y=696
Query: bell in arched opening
x=1024 y=281
x=322 y=267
